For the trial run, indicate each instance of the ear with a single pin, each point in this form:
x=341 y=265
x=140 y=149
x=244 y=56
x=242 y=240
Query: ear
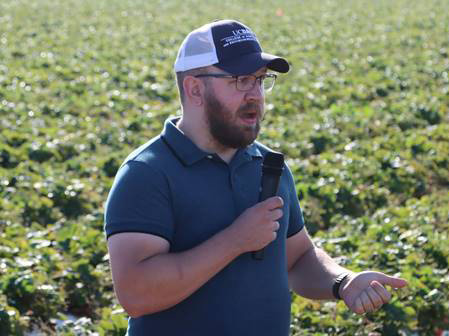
x=194 y=90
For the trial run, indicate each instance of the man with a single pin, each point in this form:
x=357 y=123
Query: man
x=183 y=217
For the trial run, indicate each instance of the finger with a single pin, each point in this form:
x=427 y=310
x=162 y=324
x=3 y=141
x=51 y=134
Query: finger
x=272 y=203
x=276 y=214
x=392 y=281
x=382 y=291
x=366 y=302
x=276 y=226
x=280 y=202
x=375 y=298
x=358 y=307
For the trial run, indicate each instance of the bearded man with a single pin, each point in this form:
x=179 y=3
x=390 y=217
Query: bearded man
x=183 y=216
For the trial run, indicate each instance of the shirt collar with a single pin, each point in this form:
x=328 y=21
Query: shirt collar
x=253 y=150
x=184 y=148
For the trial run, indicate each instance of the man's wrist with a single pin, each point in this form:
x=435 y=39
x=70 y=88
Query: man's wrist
x=338 y=284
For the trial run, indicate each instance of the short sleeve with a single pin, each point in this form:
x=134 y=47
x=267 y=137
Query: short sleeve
x=139 y=201
x=296 y=220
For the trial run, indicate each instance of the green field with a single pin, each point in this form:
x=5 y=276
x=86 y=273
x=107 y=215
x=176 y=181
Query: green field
x=363 y=119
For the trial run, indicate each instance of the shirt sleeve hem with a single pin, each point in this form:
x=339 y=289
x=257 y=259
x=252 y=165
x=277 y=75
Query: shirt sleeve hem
x=295 y=232
x=135 y=227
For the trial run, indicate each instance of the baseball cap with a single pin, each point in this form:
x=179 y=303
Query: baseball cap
x=228 y=45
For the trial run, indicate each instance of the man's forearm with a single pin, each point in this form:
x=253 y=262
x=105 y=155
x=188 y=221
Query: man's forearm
x=312 y=276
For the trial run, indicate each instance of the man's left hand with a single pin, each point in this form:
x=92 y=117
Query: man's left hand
x=365 y=292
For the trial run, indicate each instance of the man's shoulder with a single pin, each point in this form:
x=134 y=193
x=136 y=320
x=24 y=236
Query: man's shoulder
x=262 y=148
x=149 y=153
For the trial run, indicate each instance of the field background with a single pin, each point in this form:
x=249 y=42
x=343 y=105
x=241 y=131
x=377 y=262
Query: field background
x=362 y=117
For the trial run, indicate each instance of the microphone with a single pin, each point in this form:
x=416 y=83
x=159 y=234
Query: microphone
x=272 y=166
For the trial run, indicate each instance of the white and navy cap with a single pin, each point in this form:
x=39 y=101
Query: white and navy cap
x=228 y=45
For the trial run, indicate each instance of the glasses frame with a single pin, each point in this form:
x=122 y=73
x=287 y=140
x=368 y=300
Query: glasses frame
x=259 y=79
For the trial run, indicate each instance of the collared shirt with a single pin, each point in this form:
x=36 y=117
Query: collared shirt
x=171 y=188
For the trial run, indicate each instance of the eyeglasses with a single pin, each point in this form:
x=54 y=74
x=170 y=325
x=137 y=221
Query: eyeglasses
x=247 y=82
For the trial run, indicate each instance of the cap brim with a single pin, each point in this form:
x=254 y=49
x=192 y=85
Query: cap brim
x=250 y=63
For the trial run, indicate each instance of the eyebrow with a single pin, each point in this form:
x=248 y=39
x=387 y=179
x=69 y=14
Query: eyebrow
x=263 y=72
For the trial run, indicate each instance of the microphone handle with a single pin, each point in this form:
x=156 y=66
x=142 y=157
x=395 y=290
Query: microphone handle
x=270 y=185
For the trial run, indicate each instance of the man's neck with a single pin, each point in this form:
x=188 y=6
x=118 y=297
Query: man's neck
x=203 y=139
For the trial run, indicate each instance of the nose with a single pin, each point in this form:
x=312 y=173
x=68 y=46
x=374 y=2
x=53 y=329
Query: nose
x=257 y=93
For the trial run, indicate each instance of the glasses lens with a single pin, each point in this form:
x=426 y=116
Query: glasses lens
x=245 y=83
x=268 y=83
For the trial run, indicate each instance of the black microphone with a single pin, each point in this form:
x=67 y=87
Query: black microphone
x=272 y=166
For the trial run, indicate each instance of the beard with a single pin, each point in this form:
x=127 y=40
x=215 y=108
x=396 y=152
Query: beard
x=223 y=124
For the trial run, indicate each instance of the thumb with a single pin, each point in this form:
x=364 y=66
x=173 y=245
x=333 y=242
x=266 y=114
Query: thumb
x=392 y=281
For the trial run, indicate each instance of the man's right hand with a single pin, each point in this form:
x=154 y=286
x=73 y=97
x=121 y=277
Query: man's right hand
x=256 y=227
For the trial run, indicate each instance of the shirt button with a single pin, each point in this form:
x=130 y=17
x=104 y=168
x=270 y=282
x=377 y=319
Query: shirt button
x=209 y=156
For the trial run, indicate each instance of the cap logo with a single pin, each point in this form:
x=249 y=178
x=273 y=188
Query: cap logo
x=241 y=32
x=238 y=35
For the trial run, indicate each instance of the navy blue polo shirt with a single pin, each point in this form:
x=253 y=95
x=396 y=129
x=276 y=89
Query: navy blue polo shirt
x=170 y=188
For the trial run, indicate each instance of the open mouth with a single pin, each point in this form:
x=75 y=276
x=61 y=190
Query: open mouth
x=249 y=118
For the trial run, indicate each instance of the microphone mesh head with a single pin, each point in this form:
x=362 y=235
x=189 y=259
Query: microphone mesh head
x=274 y=159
